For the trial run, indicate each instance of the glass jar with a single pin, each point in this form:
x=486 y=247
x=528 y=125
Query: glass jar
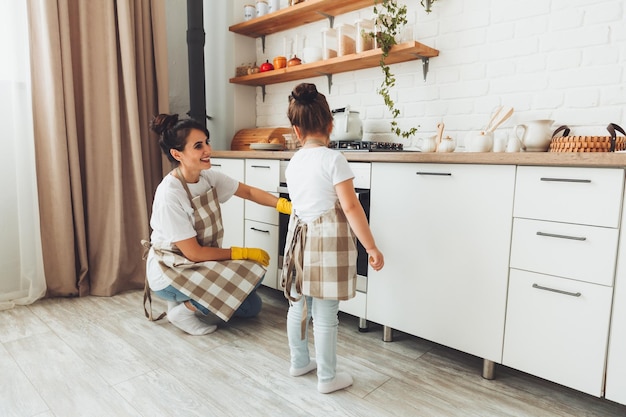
x=329 y=43
x=363 y=28
x=346 y=44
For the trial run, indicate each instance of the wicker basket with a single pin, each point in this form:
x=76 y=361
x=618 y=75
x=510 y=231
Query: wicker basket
x=567 y=143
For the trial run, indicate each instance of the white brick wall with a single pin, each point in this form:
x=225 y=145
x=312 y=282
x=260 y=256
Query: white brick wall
x=549 y=59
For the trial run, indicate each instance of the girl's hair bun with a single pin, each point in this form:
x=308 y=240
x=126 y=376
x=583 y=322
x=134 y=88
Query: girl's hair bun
x=305 y=93
x=163 y=122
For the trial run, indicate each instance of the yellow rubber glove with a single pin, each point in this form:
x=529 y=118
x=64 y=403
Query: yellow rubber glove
x=283 y=206
x=253 y=254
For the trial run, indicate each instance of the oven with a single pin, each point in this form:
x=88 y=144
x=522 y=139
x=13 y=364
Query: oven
x=358 y=305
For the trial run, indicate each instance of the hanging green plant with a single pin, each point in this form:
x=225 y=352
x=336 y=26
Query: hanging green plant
x=390 y=19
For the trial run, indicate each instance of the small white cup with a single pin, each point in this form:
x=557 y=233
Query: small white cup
x=513 y=144
x=499 y=144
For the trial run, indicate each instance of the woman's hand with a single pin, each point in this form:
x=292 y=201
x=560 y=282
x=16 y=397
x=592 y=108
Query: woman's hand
x=283 y=206
x=253 y=254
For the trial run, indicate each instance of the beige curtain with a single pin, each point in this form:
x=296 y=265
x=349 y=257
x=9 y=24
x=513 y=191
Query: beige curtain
x=99 y=73
x=22 y=279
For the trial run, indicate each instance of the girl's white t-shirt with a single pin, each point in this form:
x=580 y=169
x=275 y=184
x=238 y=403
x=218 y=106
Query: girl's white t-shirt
x=172 y=215
x=311 y=177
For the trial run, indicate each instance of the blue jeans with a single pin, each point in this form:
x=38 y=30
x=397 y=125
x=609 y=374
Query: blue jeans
x=250 y=307
x=325 y=325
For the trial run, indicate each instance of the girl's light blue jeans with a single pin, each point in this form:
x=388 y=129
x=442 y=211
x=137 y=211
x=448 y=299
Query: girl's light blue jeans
x=325 y=325
x=250 y=307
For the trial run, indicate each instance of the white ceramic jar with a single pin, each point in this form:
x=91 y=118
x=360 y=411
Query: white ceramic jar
x=262 y=8
x=274 y=6
x=249 y=12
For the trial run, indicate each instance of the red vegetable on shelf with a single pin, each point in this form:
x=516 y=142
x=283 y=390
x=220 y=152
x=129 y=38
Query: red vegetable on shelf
x=266 y=66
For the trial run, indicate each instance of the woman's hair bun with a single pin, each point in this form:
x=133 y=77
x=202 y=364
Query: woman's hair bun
x=161 y=123
x=305 y=93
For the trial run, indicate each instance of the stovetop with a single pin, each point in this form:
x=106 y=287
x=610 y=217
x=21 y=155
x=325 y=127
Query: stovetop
x=365 y=146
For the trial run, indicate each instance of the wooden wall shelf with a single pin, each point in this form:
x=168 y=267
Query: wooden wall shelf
x=403 y=52
x=293 y=16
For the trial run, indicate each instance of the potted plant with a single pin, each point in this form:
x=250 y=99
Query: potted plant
x=390 y=19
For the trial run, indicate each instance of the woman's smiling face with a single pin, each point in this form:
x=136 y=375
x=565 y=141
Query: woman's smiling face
x=196 y=155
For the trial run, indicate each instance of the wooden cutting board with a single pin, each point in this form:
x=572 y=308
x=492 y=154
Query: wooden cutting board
x=244 y=137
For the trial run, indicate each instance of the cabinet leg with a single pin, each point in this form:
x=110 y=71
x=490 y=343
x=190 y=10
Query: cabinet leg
x=363 y=327
x=387 y=334
x=489 y=369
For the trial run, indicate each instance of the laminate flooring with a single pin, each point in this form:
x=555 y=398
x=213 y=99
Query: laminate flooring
x=100 y=356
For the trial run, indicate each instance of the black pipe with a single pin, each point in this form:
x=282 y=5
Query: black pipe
x=195 y=51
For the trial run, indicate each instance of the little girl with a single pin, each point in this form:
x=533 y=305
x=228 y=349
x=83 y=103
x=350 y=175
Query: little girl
x=321 y=244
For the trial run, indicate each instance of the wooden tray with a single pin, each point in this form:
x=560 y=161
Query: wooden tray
x=567 y=143
x=244 y=137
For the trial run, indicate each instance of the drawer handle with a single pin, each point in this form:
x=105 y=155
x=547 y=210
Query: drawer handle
x=216 y=165
x=564 y=180
x=260 y=166
x=259 y=230
x=443 y=174
x=580 y=238
x=573 y=294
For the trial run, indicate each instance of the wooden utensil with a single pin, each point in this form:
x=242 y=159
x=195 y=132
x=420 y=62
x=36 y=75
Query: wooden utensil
x=440 y=127
x=500 y=118
x=493 y=116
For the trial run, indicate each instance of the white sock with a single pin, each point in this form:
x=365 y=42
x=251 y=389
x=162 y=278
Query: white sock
x=186 y=320
x=304 y=370
x=340 y=381
x=171 y=305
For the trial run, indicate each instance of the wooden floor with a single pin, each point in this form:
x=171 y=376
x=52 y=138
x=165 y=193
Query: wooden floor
x=100 y=357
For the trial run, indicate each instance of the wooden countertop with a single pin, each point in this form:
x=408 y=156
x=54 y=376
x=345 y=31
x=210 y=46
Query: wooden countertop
x=600 y=159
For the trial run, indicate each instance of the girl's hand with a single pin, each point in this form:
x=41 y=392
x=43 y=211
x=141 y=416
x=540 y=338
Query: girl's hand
x=376 y=259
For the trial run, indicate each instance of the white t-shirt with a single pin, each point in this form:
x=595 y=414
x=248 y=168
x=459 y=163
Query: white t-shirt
x=172 y=215
x=311 y=178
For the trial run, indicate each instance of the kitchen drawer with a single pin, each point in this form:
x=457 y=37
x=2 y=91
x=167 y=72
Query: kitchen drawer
x=264 y=236
x=557 y=336
x=362 y=174
x=584 y=253
x=263 y=173
x=590 y=196
x=234 y=168
x=259 y=213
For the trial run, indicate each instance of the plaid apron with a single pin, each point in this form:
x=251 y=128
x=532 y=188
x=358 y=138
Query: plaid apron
x=322 y=257
x=220 y=286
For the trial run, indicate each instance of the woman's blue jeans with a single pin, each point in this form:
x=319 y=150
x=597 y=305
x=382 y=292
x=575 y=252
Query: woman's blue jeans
x=250 y=307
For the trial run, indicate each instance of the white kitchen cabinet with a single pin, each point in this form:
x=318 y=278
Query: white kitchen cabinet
x=264 y=236
x=585 y=253
x=445 y=231
x=615 y=388
x=570 y=195
x=232 y=210
x=556 y=328
x=261 y=224
x=563 y=257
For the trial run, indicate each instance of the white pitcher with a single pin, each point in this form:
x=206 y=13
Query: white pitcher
x=535 y=135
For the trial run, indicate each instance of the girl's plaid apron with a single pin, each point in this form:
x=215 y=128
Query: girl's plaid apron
x=322 y=255
x=220 y=286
